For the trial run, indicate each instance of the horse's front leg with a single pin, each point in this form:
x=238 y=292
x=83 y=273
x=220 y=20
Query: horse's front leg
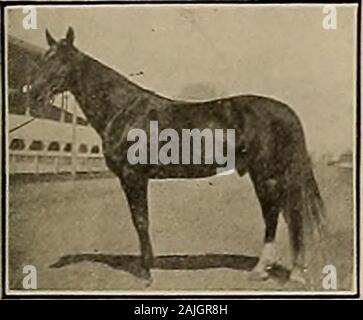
x=135 y=189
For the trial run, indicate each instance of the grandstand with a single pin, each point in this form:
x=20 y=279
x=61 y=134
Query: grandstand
x=49 y=139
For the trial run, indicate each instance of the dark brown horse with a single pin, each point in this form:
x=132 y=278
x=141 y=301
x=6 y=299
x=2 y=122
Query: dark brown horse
x=269 y=145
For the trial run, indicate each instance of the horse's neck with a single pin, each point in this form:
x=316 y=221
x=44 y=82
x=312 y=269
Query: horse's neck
x=101 y=92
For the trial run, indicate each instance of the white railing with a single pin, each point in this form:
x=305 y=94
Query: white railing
x=54 y=162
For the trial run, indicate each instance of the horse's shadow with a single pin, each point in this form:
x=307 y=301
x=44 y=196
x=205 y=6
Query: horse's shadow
x=132 y=263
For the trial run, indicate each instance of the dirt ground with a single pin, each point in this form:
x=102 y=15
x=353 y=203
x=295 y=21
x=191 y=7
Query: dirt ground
x=207 y=235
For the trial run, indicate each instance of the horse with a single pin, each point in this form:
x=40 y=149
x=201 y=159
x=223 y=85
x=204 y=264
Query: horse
x=270 y=146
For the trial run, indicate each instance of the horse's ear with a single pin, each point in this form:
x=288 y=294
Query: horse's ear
x=70 y=35
x=50 y=40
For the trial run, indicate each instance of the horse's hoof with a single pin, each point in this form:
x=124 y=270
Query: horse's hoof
x=297 y=276
x=258 y=275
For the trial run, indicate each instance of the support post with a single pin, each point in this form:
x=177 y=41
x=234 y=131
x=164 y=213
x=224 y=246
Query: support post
x=74 y=139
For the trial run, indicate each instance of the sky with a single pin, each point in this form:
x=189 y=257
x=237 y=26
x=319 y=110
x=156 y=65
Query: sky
x=208 y=51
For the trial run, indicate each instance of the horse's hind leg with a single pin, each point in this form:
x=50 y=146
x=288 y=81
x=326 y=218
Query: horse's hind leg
x=136 y=194
x=267 y=191
x=293 y=218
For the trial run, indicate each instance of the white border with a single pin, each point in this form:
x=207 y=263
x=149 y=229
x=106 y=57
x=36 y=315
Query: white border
x=210 y=294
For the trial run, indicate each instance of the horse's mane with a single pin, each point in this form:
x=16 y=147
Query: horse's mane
x=117 y=77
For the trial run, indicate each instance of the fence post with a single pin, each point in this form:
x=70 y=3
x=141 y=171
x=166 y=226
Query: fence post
x=36 y=159
x=74 y=139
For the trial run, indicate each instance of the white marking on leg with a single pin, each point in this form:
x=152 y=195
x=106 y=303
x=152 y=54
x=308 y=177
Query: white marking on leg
x=267 y=260
x=268 y=256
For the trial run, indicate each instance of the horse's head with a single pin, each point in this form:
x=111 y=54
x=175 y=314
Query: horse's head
x=57 y=69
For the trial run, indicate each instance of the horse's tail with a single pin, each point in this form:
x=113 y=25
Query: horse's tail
x=304 y=210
